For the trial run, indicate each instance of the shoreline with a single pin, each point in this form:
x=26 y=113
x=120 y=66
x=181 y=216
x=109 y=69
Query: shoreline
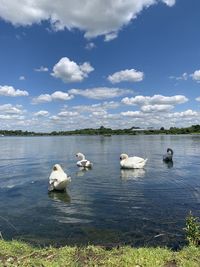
x=17 y=253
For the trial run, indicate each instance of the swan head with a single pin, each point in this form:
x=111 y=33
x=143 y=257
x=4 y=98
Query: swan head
x=80 y=156
x=170 y=151
x=123 y=156
x=57 y=167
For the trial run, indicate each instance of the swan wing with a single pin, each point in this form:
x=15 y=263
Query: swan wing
x=57 y=176
x=136 y=159
x=133 y=163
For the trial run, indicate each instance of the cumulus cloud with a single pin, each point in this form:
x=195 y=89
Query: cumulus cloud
x=69 y=71
x=131 y=75
x=97 y=107
x=11 y=91
x=68 y=113
x=11 y=109
x=97 y=17
x=12 y=116
x=155 y=100
x=58 y=95
x=100 y=92
x=196 y=75
x=184 y=114
x=41 y=113
x=136 y=114
x=41 y=69
x=42 y=99
x=156 y=108
x=45 y=98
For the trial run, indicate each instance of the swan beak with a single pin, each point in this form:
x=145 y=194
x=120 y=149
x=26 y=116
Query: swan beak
x=120 y=158
x=54 y=168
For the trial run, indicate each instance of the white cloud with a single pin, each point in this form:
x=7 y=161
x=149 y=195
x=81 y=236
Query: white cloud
x=10 y=109
x=41 y=69
x=184 y=77
x=67 y=113
x=131 y=75
x=100 y=113
x=169 y=2
x=136 y=114
x=90 y=46
x=41 y=113
x=11 y=91
x=155 y=100
x=22 y=78
x=58 y=95
x=97 y=17
x=45 y=98
x=197 y=99
x=156 y=108
x=97 y=107
x=184 y=114
x=100 y=92
x=196 y=75
x=70 y=71
x=110 y=36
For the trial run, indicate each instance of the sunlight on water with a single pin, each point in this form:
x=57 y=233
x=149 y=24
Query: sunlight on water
x=104 y=205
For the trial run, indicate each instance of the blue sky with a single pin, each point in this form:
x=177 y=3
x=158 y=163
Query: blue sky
x=77 y=64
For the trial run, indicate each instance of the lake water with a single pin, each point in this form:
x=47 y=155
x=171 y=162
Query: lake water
x=105 y=205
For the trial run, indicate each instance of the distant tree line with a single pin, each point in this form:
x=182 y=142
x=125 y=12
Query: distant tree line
x=106 y=131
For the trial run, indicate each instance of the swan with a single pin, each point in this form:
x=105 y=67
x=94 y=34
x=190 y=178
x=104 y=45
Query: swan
x=169 y=156
x=132 y=162
x=58 y=179
x=83 y=162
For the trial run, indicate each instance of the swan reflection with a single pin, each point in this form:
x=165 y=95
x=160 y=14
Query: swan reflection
x=60 y=196
x=82 y=171
x=132 y=174
x=169 y=164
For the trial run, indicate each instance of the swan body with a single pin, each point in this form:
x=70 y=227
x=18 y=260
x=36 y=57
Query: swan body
x=169 y=156
x=83 y=162
x=58 y=179
x=132 y=162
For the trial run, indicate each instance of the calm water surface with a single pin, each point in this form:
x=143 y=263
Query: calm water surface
x=105 y=205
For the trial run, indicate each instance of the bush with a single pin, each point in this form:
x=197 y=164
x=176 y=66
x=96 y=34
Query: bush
x=192 y=230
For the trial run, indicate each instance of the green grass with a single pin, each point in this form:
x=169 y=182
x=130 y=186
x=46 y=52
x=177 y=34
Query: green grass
x=15 y=253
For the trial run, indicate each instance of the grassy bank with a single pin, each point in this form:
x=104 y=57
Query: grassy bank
x=16 y=253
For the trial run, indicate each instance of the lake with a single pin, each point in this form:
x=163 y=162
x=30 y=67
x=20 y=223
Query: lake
x=105 y=205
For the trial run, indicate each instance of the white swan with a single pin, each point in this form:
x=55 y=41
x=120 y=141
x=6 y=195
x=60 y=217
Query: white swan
x=132 y=162
x=83 y=162
x=58 y=179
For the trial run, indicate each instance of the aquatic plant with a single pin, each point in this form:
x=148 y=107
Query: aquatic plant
x=192 y=230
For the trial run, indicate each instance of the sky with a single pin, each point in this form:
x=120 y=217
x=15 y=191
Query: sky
x=76 y=64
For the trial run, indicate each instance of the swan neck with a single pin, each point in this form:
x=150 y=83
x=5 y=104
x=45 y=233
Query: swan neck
x=169 y=150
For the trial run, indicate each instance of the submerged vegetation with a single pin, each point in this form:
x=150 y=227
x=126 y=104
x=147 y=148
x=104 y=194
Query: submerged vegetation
x=194 y=129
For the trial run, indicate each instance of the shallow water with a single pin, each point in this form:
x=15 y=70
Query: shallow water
x=105 y=205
